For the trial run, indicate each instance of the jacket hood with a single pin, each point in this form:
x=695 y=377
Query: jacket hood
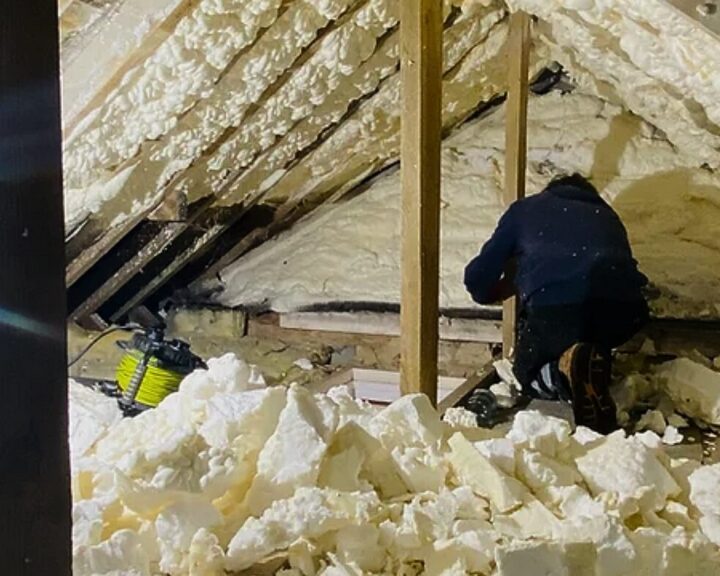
x=575 y=188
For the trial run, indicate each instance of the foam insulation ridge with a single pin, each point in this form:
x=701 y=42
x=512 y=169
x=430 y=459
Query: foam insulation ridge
x=458 y=40
x=371 y=135
x=340 y=54
x=331 y=485
x=150 y=97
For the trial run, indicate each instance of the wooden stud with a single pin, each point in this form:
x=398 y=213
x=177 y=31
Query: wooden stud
x=421 y=27
x=516 y=141
x=35 y=531
x=484 y=378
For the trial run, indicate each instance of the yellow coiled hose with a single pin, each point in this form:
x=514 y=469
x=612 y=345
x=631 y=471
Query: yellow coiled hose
x=157 y=383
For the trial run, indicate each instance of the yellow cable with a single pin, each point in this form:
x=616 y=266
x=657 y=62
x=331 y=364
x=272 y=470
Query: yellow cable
x=156 y=385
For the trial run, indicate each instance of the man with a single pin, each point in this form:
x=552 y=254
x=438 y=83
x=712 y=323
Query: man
x=566 y=255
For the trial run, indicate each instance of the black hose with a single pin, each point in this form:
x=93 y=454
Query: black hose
x=106 y=332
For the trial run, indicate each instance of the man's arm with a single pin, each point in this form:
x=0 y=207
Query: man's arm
x=483 y=273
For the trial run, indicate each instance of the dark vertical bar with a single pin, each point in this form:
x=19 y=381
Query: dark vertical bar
x=34 y=469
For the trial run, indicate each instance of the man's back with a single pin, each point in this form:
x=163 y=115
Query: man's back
x=569 y=244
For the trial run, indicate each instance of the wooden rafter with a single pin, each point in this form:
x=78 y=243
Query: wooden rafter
x=706 y=14
x=516 y=140
x=93 y=248
x=422 y=70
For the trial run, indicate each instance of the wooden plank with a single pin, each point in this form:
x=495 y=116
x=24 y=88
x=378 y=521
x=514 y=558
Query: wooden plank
x=383 y=386
x=89 y=257
x=63 y=5
x=159 y=280
x=388 y=324
x=516 y=141
x=128 y=271
x=35 y=532
x=706 y=14
x=421 y=56
x=161 y=31
x=484 y=378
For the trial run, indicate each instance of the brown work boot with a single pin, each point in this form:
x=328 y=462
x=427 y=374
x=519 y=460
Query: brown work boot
x=588 y=374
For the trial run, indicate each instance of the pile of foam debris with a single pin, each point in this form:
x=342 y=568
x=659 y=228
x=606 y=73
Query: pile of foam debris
x=224 y=477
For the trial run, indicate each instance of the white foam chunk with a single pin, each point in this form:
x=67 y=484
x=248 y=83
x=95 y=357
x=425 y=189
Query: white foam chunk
x=222 y=478
x=310 y=513
x=541 y=433
x=476 y=471
x=694 y=388
x=122 y=553
x=629 y=469
x=292 y=455
x=705 y=496
x=91 y=414
x=176 y=527
x=546 y=559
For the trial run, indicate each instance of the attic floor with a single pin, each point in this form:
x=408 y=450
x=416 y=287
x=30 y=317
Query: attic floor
x=274 y=350
x=281 y=355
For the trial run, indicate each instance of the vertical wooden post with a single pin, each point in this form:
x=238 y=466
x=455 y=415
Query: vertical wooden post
x=518 y=53
x=34 y=470
x=421 y=27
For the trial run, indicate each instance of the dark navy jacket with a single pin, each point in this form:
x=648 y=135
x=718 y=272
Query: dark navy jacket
x=570 y=246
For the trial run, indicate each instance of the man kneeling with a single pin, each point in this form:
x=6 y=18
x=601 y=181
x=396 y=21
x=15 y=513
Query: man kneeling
x=579 y=292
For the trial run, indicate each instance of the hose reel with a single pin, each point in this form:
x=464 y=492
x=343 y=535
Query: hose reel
x=152 y=369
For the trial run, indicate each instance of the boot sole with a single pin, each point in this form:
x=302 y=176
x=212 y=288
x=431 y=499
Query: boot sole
x=589 y=375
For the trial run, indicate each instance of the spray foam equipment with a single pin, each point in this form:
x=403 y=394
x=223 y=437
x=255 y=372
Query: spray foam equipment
x=152 y=369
